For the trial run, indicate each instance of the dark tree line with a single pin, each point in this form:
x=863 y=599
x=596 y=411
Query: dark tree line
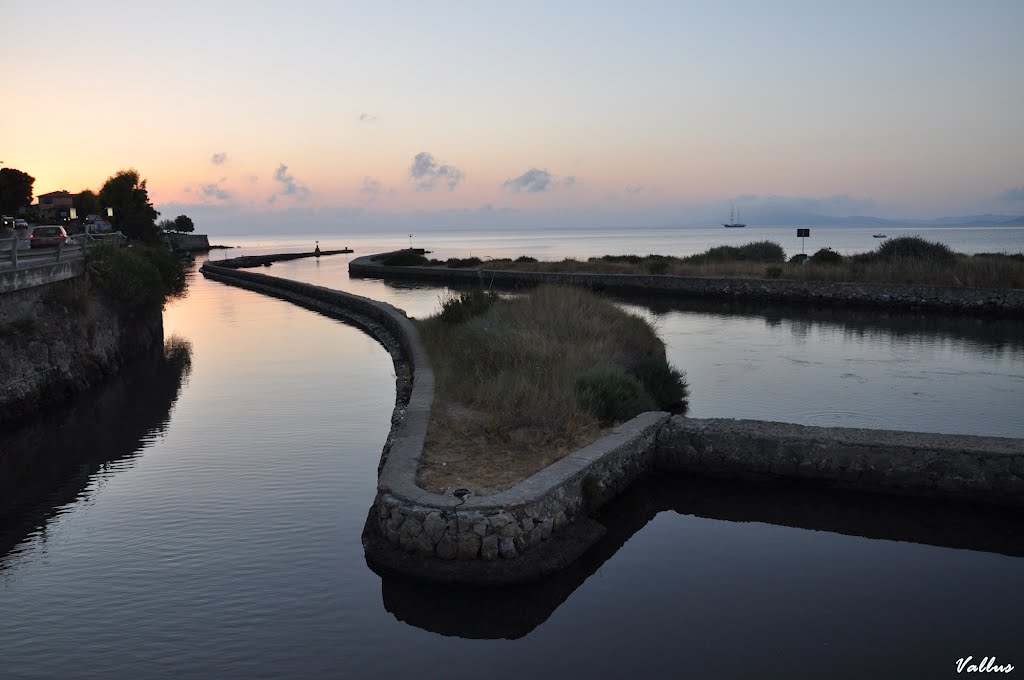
x=15 y=191
x=124 y=193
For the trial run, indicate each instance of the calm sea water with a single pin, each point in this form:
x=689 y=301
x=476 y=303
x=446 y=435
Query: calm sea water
x=555 y=244
x=201 y=517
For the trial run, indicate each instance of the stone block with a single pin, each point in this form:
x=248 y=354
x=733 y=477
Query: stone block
x=507 y=548
x=510 y=530
x=467 y=520
x=447 y=548
x=469 y=546
x=422 y=544
x=559 y=520
x=500 y=520
x=434 y=526
x=480 y=529
x=489 y=547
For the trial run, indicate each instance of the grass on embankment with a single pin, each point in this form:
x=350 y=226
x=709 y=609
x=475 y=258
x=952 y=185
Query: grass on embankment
x=523 y=381
x=900 y=260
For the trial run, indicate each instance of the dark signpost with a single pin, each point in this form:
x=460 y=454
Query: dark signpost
x=802 y=234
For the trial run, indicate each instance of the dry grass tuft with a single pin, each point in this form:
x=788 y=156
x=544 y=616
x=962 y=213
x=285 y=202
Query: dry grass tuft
x=507 y=402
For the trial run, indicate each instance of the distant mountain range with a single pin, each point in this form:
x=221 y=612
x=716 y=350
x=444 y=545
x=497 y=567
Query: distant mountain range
x=866 y=220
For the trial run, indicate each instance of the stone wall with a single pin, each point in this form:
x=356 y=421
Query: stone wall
x=498 y=527
x=957 y=467
x=954 y=300
x=59 y=339
x=39 y=274
x=541 y=524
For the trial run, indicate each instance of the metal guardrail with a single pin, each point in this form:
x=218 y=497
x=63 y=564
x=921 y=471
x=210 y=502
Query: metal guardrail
x=74 y=247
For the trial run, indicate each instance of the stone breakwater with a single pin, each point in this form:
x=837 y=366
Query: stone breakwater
x=543 y=523
x=987 y=301
x=957 y=467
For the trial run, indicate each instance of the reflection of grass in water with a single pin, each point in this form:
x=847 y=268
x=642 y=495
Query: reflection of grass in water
x=508 y=375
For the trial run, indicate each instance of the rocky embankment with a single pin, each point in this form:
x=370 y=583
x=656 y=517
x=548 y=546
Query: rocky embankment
x=59 y=339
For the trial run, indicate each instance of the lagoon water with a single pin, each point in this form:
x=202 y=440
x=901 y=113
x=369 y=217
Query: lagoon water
x=202 y=518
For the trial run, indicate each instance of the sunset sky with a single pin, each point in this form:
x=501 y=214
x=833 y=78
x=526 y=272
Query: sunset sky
x=528 y=113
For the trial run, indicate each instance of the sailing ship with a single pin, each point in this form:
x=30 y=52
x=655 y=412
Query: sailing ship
x=734 y=218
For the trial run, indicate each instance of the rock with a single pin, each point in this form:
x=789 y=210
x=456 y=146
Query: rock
x=467 y=520
x=559 y=520
x=422 y=544
x=520 y=542
x=489 y=547
x=527 y=525
x=510 y=530
x=500 y=520
x=507 y=548
x=447 y=548
x=480 y=529
x=469 y=546
x=411 y=527
x=546 y=527
x=434 y=526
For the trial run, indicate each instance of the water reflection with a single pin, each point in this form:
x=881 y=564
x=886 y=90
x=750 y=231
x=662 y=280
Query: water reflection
x=513 y=612
x=50 y=461
x=988 y=334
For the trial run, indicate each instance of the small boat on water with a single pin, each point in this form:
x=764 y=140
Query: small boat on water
x=734 y=220
x=879 y=236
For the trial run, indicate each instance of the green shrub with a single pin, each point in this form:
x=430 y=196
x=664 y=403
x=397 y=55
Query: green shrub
x=773 y=272
x=466 y=306
x=611 y=395
x=915 y=248
x=758 y=251
x=72 y=294
x=525 y=258
x=456 y=262
x=136 y=277
x=665 y=384
x=630 y=259
x=402 y=258
x=827 y=256
x=172 y=271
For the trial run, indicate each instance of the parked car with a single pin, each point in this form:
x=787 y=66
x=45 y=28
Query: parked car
x=49 y=235
x=20 y=224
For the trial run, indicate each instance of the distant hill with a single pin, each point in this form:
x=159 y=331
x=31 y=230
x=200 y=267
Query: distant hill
x=867 y=220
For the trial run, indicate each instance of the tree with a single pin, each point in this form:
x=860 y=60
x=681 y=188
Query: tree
x=15 y=190
x=165 y=225
x=87 y=203
x=134 y=215
x=184 y=224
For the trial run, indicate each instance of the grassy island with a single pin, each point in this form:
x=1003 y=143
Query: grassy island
x=900 y=260
x=522 y=381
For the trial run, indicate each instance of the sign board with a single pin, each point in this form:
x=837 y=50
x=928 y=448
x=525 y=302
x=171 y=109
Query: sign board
x=803 y=233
